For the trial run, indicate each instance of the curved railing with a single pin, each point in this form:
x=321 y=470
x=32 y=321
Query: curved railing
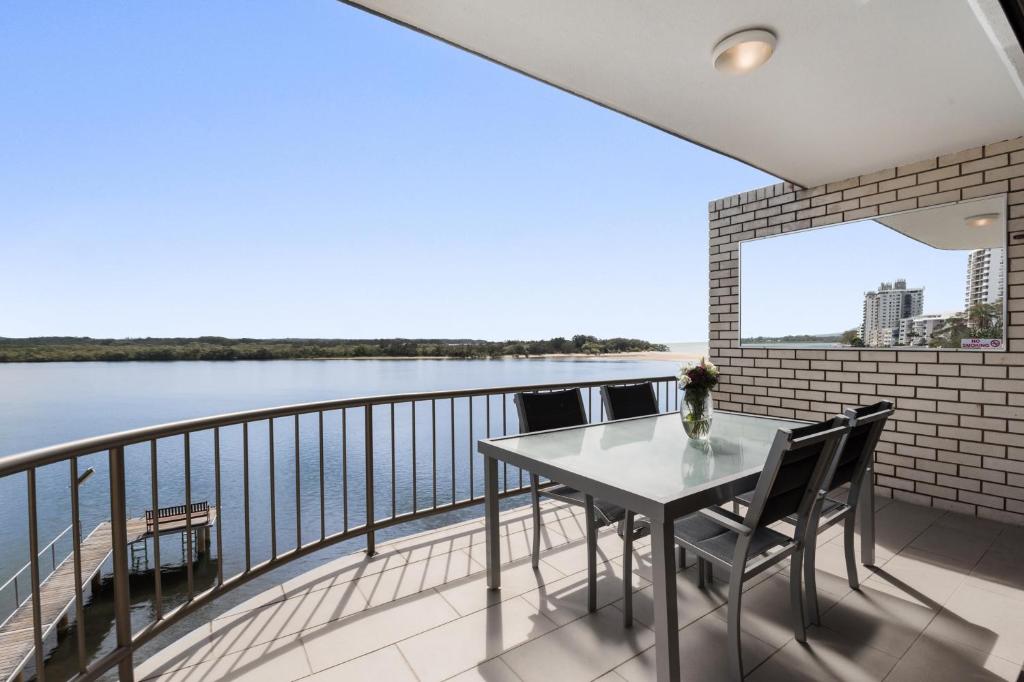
x=375 y=462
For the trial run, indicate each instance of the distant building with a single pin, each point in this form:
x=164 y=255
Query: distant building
x=984 y=276
x=918 y=330
x=885 y=308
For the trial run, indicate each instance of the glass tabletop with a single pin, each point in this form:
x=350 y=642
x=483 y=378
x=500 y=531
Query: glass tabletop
x=649 y=457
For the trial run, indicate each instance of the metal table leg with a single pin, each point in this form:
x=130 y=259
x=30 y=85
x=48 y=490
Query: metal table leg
x=866 y=512
x=493 y=546
x=666 y=618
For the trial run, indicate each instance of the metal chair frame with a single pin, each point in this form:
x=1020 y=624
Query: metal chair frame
x=742 y=567
x=594 y=519
x=844 y=511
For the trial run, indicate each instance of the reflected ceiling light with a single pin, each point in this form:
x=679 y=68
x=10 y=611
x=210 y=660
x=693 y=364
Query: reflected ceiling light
x=744 y=51
x=981 y=220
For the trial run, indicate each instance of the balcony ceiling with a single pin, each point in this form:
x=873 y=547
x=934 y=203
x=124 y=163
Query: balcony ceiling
x=854 y=85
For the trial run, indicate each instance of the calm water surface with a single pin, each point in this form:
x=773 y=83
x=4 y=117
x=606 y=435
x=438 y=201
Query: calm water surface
x=45 y=404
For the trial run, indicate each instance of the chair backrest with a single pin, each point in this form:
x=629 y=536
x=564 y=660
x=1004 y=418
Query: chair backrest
x=866 y=425
x=797 y=463
x=633 y=400
x=550 y=410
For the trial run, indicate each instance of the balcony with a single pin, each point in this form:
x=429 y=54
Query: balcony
x=945 y=586
x=420 y=610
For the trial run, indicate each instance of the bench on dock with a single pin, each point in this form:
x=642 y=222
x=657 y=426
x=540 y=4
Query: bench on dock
x=176 y=518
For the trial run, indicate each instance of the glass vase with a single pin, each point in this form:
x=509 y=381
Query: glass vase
x=696 y=413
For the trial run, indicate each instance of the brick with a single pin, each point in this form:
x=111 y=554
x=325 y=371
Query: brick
x=984 y=164
x=961 y=157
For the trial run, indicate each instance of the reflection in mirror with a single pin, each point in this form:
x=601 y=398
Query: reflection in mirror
x=930 y=278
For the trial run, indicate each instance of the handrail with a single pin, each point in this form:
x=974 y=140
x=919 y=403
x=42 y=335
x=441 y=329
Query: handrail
x=19 y=462
x=493 y=410
x=53 y=567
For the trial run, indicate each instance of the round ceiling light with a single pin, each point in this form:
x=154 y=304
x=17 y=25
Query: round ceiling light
x=744 y=51
x=981 y=220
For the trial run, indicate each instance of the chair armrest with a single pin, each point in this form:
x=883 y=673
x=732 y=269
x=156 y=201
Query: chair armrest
x=726 y=522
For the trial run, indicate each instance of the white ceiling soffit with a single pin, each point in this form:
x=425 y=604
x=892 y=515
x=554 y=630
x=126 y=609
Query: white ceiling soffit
x=946 y=227
x=854 y=86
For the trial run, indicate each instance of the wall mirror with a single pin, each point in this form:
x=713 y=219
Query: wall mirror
x=923 y=279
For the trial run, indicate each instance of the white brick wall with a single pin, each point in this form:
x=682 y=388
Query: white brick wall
x=956 y=440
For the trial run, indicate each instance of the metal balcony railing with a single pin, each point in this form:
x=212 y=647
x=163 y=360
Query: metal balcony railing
x=338 y=470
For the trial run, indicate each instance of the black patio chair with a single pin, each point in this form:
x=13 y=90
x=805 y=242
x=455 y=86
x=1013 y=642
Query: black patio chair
x=561 y=409
x=631 y=400
x=842 y=493
x=625 y=401
x=745 y=546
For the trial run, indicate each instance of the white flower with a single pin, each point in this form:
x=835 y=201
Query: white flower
x=684 y=381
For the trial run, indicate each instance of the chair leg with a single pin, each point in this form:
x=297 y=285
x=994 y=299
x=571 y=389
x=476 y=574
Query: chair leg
x=627 y=572
x=709 y=572
x=735 y=598
x=811 y=583
x=796 y=597
x=535 y=494
x=700 y=572
x=591 y=555
x=680 y=557
x=851 y=558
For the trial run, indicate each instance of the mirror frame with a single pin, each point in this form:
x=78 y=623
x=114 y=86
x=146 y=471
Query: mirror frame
x=783 y=346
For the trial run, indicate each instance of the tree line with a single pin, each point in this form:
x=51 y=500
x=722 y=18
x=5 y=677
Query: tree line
x=86 y=349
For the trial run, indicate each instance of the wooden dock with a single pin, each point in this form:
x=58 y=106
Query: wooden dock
x=57 y=591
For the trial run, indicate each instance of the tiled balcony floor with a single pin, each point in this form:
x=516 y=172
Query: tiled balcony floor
x=946 y=603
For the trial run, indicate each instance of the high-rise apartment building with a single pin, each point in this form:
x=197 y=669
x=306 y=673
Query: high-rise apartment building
x=984 y=276
x=885 y=308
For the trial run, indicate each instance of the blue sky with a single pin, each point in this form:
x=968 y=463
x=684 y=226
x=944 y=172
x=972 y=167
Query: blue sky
x=305 y=169
x=814 y=282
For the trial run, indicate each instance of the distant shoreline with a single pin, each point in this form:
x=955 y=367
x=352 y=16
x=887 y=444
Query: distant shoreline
x=212 y=348
x=663 y=356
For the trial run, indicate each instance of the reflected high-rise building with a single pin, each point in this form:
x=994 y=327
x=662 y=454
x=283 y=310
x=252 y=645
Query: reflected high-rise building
x=885 y=307
x=984 y=277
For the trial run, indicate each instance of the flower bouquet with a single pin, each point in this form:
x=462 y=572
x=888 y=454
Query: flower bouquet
x=696 y=382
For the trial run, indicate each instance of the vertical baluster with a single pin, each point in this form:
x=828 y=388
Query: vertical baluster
x=415 y=498
x=245 y=493
x=452 y=411
x=119 y=547
x=154 y=498
x=393 y=468
x=76 y=551
x=504 y=432
x=677 y=395
x=216 y=493
x=471 y=447
x=323 y=509
x=188 y=515
x=273 y=490
x=298 y=489
x=33 y=548
x=433 y=446
x=344 y=466
x=371 y=545
x=590 y=402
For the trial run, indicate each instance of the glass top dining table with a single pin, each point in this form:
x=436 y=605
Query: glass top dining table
x=646 y=465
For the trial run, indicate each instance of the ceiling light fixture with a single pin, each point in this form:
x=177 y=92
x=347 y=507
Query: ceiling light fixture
x=744 y=51
x=981 y=220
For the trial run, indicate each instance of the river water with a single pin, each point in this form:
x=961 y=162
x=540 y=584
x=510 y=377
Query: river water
x=49 y=403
